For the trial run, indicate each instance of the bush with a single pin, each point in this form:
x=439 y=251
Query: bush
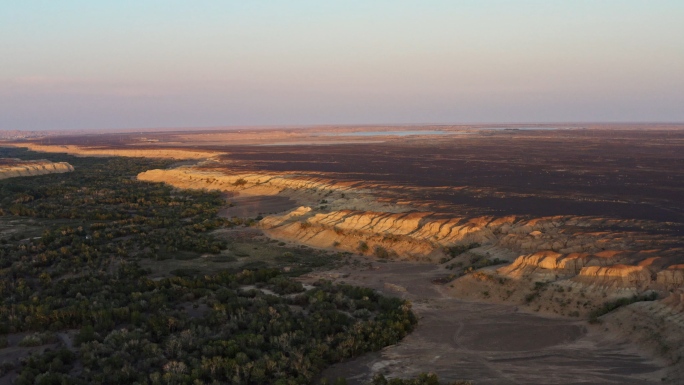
x=86 y=334
x=38 y=339
x=381 y=252
x=304 y=225
x=618 y=303
x=455 y=251
x=5 y=368
x=282 y=286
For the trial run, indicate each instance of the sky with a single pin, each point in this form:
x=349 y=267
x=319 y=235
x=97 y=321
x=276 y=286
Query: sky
x=147 y=64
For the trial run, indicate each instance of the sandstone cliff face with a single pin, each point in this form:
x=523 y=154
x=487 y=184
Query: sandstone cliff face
x=243 y=183
x=378 y=224
x=619 y=276
x=409 y=235
x=180 y=154
x=552 y=263
x=563 y=264
x=609 y=269
x=307 y=192
x=672 y=277
x=675 y=303
x=10 y=168
x=352 y=219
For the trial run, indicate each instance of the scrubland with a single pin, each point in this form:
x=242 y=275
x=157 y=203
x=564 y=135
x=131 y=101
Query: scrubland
x=528 y=256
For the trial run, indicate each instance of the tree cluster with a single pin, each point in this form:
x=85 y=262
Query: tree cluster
x=82 y=273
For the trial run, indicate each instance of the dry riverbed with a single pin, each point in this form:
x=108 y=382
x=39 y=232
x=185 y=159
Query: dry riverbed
x=486 y=343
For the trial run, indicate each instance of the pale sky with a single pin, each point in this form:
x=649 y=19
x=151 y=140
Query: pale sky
x=141 y=64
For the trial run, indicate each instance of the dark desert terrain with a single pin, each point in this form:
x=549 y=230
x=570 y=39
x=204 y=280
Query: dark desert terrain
x=629 y=174
x=548 y=254
x=618 y=171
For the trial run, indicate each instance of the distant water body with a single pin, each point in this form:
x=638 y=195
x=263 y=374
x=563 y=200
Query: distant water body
x=433 y=132
x=520 y=128
x=395 y=133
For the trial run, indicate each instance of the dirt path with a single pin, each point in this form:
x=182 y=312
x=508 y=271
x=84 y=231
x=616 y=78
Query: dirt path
x=488 y=343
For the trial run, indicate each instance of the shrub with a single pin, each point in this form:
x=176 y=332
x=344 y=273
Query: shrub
x=618 y=303
x=381 y=252
x=240 y=182
x=38 y=339
x=304 y=225
x=457 y=250
x=86 y=334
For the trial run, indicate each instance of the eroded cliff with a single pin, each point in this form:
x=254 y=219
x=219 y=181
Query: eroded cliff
x=569 y=265
x=348 y=217
x=131 y=151
x=10 y=168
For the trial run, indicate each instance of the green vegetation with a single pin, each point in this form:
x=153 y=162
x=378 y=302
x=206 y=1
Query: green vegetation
x=240 y=182
x=77 y=266
x=471 y=265
x=456 y=250
x=536 y=291
x=478 y=262
x=305 y=225
x=613 y=305
x=381 y=252
x=37 y=339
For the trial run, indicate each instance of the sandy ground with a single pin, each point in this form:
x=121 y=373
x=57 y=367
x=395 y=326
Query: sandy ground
x=487 y=343
x=252 y=206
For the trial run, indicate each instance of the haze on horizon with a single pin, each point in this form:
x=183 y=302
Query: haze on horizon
x=126 y=64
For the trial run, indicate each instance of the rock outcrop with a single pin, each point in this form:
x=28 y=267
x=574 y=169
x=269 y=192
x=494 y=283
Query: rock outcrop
x=348 y=217
x=671 y=277
x=619 y=276
x=306 y=191
x=408 y=235
x=168 y=153
x=10 y=168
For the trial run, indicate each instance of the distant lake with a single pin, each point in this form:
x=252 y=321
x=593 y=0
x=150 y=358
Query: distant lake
x=395 y=133
x=519 y=128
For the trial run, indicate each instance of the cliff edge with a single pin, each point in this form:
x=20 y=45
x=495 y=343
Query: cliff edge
x=12 y=168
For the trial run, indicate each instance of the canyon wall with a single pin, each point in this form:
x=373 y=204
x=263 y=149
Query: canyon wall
x=348 y=217
x=568 y=265
x=10 y=168
x=131 y=151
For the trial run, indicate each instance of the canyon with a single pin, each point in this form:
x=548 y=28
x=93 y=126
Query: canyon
x=620 y=257
x=561 y=223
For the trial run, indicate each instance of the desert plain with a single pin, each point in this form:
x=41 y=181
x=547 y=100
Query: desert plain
x=532 y=254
